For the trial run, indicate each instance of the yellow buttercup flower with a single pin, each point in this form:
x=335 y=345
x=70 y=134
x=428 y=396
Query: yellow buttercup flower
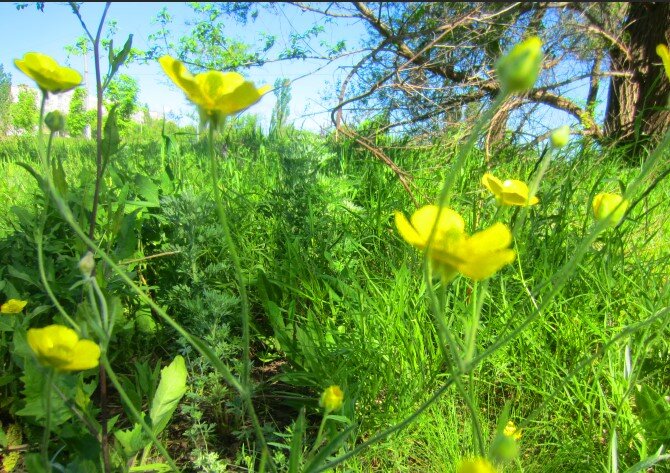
x=518 y=69
x=331 y=398
x=215 y=93
x=59 y=347
x=13 y=306
x=605 y=208
x=512 y=431
x=662 y=51
x=452 y=251
x=49 y=75
x=509 y=192
x=475 y=465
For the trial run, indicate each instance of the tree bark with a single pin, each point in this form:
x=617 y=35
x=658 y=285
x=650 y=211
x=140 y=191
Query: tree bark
x=638 y=98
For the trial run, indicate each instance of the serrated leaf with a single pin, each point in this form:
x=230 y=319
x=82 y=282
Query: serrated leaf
x=147 y=188
x=171 y=389
x=132 y=440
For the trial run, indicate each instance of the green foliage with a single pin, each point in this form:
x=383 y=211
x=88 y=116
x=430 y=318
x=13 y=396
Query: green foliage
x=78 y=117
x=24 y=111
x=122 y=91
x=5 y=99
x=280 y=112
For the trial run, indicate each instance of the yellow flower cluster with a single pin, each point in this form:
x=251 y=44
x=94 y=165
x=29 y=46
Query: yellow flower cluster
x=512 y=431
x=59 y=347
x=451 y=250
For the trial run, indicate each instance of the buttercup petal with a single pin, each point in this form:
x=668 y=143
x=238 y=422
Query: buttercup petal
x=47 y=73
x=407 y=231
x=485 y=266
x=492 y=183
x=85 y=355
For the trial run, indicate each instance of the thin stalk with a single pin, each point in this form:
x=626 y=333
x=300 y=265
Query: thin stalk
x=98 y=125
x=100 y=308
x=317 y=442
x=39 y=236
x=533 y=188
x=46 y=396
x=234 y=256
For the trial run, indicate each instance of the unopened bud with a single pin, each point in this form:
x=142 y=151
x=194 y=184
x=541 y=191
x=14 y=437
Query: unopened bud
x=606 y=207
x=560 y=136
x=87 y=264
x=55 y=121
x=518 y=69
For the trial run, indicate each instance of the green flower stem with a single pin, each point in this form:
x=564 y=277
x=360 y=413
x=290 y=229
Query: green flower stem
x=533 y=188
x=245 y=388
x=49 y=143
x=445 y=194
x=319 y=435
x=443 y=331
x=234 y=256
x=46 y=397
x=104 y=361
x=39 y=241
x=446 y=340
x=107 y=325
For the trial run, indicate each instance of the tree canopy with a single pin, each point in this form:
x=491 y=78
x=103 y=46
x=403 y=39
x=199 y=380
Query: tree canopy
x=425 y=65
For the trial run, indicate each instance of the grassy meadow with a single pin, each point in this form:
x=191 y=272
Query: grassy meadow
x=574 y=352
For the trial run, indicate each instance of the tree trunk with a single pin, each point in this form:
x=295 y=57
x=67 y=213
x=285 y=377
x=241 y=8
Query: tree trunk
x=635 y=105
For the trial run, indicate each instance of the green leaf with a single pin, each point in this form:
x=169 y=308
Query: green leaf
x=147 y=188
x=296 y=443
x=171 y=388
x=132 y=440
x=654 y=412
x=111 y=139
x=115 y=61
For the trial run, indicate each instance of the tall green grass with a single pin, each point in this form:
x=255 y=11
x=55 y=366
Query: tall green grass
x=338 y=298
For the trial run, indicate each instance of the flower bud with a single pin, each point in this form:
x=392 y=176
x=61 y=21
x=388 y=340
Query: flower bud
x=518 y=69
x=87 y=264
x=560 y=136
x=664 y=54
x=604 y=206
x=332 y=398
x=55 y=121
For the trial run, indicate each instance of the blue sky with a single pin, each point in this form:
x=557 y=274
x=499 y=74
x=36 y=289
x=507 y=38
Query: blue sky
x=48 y=32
